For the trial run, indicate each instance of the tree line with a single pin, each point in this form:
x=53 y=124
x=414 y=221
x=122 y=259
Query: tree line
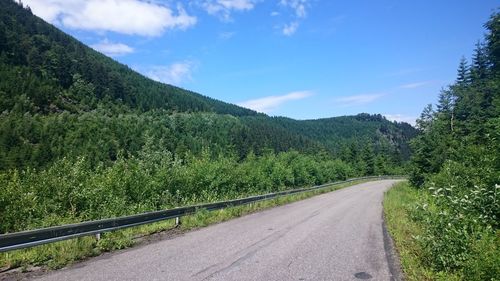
x=456 y=162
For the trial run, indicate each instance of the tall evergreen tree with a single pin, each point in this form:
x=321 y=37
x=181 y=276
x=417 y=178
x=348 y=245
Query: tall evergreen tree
x=493 y=42
x=480 y=63
x=368 y=158
x=426 y=117
x=463 y=73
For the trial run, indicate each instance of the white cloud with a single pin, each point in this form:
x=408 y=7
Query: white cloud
x=358 y=99
x=224 y=8
x=299 y=6
x=274 y=14
x=133 y=17
x=271 y=103
x=415 y=85
x=112 y=49
x=47 y=10
x=401 y=118
x=175 y=73
x=289 y=29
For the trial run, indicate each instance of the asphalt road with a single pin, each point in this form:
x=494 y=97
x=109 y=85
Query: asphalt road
x=334 y=236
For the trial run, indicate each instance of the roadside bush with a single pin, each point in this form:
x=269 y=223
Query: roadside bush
x=77 y=190
x=484 y=263
x=460 y=219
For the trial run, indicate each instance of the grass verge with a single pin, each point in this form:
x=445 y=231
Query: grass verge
x=60 y=254
x=398 y=203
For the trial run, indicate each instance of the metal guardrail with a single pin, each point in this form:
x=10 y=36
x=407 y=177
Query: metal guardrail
x=30 y=238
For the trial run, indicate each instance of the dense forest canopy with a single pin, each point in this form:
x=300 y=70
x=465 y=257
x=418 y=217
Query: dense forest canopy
x=60 y=98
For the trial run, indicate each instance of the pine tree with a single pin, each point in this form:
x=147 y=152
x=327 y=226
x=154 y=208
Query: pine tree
x=479 y=69
x=463 y=73
x=446 y=101
x=493 y=39
x=368 y=158
x=445 y=108
x=425 y=120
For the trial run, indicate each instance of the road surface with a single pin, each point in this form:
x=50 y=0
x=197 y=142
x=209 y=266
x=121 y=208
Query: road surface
x=334 y=236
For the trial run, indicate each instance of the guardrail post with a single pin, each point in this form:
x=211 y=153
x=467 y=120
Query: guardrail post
x=177 y=221
x=98 y=236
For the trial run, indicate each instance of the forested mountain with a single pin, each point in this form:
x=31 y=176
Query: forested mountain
x=45 y=70
x=83 y=137
x=341 y=134
x=60 y=98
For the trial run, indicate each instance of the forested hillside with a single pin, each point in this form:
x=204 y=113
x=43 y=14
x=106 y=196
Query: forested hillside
x=455 y=168
x=45 y=70
x=83 y=137
x=60 y=98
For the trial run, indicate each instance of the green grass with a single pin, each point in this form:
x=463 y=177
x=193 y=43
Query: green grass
x=398 y=203
x=59 y=254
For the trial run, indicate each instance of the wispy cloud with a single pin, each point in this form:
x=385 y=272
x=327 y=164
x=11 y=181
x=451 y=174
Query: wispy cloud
x=175 y=73
x=271 y=103
x=112 y=49
x=401 y=118
x=299 y=8
x=415 y=85
x=132 y=17
x=289 y=29
x=224 y=8
x=226 y=35
x=358 y=99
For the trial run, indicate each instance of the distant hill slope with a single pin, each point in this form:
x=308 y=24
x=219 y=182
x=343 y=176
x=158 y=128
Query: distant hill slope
x=348 y=134
x=60 y=98
x=32 y=48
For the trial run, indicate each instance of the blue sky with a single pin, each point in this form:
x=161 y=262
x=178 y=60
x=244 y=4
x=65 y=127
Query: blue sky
x=297 y=58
